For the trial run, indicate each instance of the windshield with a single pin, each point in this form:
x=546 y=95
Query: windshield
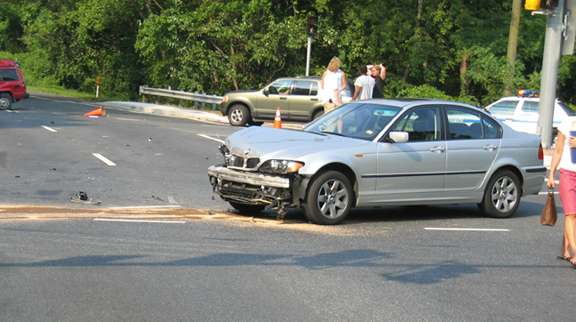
x=566 y=109
x=356 y=120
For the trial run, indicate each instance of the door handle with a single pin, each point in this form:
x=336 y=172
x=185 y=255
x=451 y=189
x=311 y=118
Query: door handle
x=437 y=149
x=490 y=147
x=283 y=98
x=314 y=99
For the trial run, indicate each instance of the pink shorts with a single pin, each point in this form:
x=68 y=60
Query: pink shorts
x=567 y=191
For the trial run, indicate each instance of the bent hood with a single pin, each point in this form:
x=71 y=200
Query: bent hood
x=271 y=143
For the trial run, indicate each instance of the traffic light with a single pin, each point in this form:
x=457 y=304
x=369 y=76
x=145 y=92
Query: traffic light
x=540 y=4
x=312 y=26
x=532 y=5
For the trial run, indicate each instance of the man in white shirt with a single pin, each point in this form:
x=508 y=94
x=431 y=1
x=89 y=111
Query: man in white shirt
x=364 y=85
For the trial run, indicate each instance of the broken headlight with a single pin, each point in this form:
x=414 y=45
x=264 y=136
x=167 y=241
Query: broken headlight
x=281 y=166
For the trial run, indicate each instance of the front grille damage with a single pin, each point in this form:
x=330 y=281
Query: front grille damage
x=253 y=188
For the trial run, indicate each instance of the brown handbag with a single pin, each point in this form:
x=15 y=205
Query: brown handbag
x=549 y=214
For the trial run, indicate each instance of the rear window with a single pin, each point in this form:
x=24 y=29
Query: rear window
x=8 y=75
x=306 y=88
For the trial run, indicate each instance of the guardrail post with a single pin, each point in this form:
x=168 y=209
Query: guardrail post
x=144 y=96
x=169 y=99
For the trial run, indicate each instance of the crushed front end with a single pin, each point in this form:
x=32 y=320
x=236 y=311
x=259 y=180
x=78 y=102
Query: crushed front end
x=247 y=180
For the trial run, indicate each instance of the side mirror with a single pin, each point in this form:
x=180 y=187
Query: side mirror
x=398 y=137
x=266 y=92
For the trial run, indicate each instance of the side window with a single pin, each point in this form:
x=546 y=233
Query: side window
x=8 y=75
x=280 y=87
x=491 y=129
x=463 y=124
x=422 y=124
x=530 y=107
x=306 y=88
x=504 y=108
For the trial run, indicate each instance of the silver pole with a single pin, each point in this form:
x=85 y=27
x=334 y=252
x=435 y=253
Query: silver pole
x=550 y=62
x=308 y=55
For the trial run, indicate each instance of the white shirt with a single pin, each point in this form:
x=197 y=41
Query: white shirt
x=332 y=81
x=367 y=84
x=569 y=124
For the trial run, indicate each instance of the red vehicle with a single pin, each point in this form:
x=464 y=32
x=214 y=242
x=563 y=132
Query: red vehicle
x=12 y=85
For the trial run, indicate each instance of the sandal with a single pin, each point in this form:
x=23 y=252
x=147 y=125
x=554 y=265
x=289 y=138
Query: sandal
x=564 y=258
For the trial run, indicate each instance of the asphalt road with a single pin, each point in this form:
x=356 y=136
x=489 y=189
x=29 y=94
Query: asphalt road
x=437 y=263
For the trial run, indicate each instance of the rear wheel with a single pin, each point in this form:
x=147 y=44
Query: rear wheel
x=246 y=209
x=238 y=115
x=5 y=101
x=502 y=195
x=329 y=198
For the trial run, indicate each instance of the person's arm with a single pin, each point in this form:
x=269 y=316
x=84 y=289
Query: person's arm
x=323 y=76
x=344 y=83
x=356 y=92
x=382 y=72
x=556 y=157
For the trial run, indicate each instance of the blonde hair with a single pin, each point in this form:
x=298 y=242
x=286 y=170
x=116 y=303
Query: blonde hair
x=334 y=64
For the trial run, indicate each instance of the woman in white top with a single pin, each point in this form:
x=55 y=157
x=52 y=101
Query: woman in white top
x=567 y=188
x=333 y=82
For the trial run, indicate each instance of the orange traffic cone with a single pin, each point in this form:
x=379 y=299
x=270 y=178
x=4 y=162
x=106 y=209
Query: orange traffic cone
x=97 y=112
x=278 y=119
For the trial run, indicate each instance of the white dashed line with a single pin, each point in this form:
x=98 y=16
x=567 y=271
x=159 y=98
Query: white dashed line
x=210 y=138
x=103 y=159
x=466 y=229
x=143 y=221
x=49 y=128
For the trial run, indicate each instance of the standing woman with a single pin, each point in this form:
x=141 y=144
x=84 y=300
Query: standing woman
x=567 y=186
x=333 y=82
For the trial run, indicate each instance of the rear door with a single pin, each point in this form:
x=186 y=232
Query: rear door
x=472 y=146
x=304 y=99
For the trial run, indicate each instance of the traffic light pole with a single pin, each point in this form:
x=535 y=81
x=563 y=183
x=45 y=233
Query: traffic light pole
x=552 y=48
x=308 y=55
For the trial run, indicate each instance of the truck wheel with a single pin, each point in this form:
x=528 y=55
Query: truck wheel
x=238 y=115
x=329 y=198
x=502 y=195
x=5 y=101
x=246 y=209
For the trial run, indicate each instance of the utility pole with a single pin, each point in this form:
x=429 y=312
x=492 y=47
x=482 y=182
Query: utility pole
x=513 y=44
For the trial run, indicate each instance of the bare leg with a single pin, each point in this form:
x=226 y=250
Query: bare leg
x=569 y=232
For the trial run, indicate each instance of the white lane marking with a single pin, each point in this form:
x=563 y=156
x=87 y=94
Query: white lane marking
x=546 y=193
x=465 y=229
x=49 y=128
x=103 y=159
x=126 y=119
x=210 y=138
x=146 y=207
x=143 y=221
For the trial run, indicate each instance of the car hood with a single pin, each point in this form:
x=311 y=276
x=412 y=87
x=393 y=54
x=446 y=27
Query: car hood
x=270 y=143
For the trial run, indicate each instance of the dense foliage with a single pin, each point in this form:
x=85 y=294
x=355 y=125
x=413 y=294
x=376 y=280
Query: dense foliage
x=435 y=48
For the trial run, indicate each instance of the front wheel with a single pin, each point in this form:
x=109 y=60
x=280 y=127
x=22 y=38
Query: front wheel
x=502 y=195
x=5 y=101
x=238 y=115
x=329 y=198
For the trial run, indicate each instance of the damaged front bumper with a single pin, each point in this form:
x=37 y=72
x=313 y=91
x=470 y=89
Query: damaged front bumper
x=253 y=188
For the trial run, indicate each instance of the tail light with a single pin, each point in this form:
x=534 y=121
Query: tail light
x=540 y=152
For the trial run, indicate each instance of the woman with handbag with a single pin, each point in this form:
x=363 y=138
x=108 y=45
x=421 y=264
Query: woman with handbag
x=562 y=157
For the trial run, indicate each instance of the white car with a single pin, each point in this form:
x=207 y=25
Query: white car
x=521 y=112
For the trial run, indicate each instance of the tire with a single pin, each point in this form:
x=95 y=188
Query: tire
x=329 y=198
x=502 y=195
x=5 y=101
x=238 y=115
x=317 y=114
x=246 y=209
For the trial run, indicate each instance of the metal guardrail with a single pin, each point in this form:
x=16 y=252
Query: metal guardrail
x=203 y=99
